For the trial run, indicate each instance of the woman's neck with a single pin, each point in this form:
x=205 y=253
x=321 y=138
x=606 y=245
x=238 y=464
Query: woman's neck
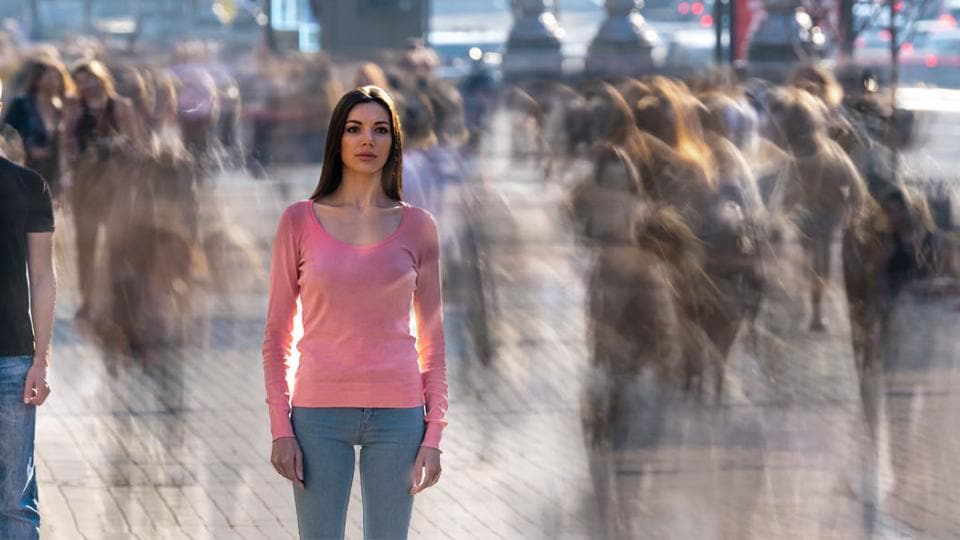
x=360 y=190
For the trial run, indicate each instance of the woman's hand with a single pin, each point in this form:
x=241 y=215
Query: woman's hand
x=288 y=460
x=426 y=469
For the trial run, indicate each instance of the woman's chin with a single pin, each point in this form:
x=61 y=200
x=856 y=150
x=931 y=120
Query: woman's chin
x=364 y=168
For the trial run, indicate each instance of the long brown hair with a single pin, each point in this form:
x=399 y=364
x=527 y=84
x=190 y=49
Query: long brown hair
x=674 y=97
x=612 y=121
x=99 y=71
x=332 y=172
x=36 y=68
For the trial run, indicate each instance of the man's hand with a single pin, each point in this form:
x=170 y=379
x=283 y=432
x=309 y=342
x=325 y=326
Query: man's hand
x=36 y=389
x=426 y=469
x=287 y=459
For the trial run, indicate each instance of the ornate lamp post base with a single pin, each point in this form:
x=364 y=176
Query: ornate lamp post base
x=785 y=37
x=624 y=43
x=533 y=47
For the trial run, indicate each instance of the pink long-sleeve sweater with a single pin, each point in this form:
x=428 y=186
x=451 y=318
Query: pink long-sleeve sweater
x=357 y=348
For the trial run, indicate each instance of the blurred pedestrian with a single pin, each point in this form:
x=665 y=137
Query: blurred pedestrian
x=198 y=112
x=26 y=324
x=862 y=124
x=356 y=256
x=920 y=251
x=824 y=193
x=37 y=115
x=98 y=124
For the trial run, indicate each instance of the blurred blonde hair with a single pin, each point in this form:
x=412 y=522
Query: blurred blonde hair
x=35 y=68
x=98 y=70
x=688 y=132
x=820 y=82
x=370 y=74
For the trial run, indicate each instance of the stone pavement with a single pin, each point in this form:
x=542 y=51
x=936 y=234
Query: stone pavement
x=176 y=446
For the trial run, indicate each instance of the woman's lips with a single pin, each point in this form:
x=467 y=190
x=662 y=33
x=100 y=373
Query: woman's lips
x=366 y=157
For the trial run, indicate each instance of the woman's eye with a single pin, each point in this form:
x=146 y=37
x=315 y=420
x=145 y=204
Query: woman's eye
x=353 y=129
x=383 y=130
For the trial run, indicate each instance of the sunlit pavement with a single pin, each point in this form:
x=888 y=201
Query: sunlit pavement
x=178 y=446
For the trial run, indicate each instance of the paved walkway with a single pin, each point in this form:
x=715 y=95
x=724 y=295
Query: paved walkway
x=177 y=446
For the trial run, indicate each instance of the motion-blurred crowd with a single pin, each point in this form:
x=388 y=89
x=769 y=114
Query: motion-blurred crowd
x=693 y=192
x=698 y=193
x=125 y=145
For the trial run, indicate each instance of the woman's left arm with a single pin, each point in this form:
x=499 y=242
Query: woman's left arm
x=428 y=310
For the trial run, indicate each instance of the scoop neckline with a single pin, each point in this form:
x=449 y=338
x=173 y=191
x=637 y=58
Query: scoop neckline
x=390 y=237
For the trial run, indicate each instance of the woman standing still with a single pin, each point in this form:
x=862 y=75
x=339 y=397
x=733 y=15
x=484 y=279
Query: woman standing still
x=357 y=256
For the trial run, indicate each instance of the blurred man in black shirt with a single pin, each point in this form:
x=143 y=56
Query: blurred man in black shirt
x=27 y=293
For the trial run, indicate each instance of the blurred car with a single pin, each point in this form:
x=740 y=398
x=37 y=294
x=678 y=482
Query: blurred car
x=929 y=161
x=696 y=12
x=688 y=52
x=783 y=38
x=685 y=29
x=944 y=10
x=872 y=46
x=940 y=59
x=949 y=13
x=930 y=56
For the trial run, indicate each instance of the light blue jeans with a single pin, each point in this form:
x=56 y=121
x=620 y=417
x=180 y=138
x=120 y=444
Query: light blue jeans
x=389 y=440
x=19 y=514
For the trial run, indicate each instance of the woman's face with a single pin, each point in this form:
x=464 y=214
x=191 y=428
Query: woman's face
x=49 y=82
x=367 y=139
x=88 y=85
x=813 y=84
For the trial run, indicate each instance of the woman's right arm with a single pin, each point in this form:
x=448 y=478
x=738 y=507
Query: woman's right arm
x=281 y=310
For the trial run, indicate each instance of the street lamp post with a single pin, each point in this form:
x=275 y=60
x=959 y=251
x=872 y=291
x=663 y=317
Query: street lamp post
x=894 y=84
x=624 y=42
x=34 y=19
x=268 y=35
x=718 y=32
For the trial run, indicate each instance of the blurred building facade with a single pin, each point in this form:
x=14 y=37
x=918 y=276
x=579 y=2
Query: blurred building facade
x=149 y=22
x=352 y=26
x=361 y=26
